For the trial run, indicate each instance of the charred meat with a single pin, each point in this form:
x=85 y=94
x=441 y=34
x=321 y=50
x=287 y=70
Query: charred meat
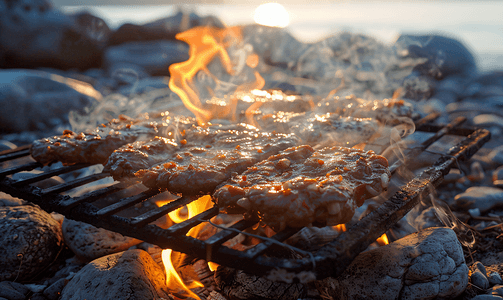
x=300 y=186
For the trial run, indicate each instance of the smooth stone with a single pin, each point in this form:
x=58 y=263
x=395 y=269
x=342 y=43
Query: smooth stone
x=423 y=265
x=31 y=239
x=487 y=120
x=13 y=290
x=480 y=266
x=45 y=99
x=496 y=155
x=498 y=174
x=495 y=278
x=445 y=56
x=95 y=28
x=482 y=197
x=161 y=29
x=487 y=297
x=34 y=34
x=497 y=290
x=6 y=145
x=154 y=57
x=53 y=291
x=89 y=242
x=474 y=212
x=8 y=200
x=479 y=279
x=127 y=275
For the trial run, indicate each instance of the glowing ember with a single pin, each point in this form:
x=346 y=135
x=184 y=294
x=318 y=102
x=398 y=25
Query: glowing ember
x=340 y=227
x=383 y=240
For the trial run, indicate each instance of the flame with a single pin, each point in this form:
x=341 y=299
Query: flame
x=340 y=227
x=383 y=240
x=173 y=279
x=205 y=43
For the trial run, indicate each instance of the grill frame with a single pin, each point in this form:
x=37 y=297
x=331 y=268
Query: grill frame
x=330 y=260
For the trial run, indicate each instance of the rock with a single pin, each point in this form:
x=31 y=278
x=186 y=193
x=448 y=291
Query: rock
x=154 y=57
x=31 y=239
x=127 y=275
x=479 y=279
x=13 y=290
x=497 y=290
x=45 y=99
x=487 y=120
x=425 y=219
x=486 y=297
x=495 y=278
x=482 y=197
x=54 y=290
x=95 y=28
x=480 y=266
x=498 y=174
x=162 y=29
x=445 y=56
x=423 y=265
x=496 y=155
x=89 y=242
x=6 y=145
x=8 y=200
x=34 y=34
x=238 y=285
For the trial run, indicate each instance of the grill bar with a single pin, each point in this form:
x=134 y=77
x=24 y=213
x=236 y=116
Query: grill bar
x=328 y=261
x=17 y=169
x=49 y=174
x=74 y=183
x=158 y=212
x=126 y=202
x=15 y=153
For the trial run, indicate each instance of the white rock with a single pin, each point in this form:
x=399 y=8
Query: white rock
x=425 y=265
x=127 y=275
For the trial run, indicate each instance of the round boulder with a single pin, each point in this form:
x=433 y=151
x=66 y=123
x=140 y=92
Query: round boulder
x=30 y=241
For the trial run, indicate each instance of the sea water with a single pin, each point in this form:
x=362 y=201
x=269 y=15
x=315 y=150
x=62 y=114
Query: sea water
x=477 y=24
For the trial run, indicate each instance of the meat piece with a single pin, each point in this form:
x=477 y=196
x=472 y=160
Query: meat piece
x=95 y=147
x=300 y=186
x=200 y=168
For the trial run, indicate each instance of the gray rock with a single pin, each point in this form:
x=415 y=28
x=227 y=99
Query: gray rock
x=13 y=290
x=31 y=239
x=498 y=174
x=482 y=197
x=34 y=34
x=480 y=266
x=445 y=56
x=127 y=275
x=488 y=120
x=90 y=242
x=495 y=279
x=45 y=99
x=487 y=297
x=497 y=290
x=155 y=56
x=426 y=219
x=479 y=279
x=423 y=265
x=496 y=155
x=53 y=291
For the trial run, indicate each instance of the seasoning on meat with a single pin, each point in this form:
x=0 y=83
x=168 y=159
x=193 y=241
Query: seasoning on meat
x=199 y=169
x=95 y=147
x=300 y=186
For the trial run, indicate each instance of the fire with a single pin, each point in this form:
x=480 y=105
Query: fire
x=173 y=279
x=383 y=240
x=340 y=227
x=205 y=43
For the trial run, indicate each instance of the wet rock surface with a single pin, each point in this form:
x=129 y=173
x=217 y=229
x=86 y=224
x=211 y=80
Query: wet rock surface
x=31 y=240
x=426 y=265
x=126 y=275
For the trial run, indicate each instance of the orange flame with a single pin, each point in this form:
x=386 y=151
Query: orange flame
x=340 y=227
x=205 y=43
x=173 y=279
x=383 y=240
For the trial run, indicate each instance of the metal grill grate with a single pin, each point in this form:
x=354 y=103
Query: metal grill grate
x=330 y=260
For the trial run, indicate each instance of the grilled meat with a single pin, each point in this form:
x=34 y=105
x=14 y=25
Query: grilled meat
x=95 y=147
x=198 y=167
x=300 y=186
